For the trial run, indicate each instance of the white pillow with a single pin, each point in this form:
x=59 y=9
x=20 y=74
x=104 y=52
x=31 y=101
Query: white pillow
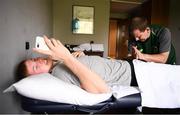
x=49 y=88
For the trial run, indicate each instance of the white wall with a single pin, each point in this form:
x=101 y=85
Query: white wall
x=62 y=18
x=20 y=21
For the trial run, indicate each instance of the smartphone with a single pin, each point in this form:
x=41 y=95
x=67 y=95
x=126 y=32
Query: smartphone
x=40 y=43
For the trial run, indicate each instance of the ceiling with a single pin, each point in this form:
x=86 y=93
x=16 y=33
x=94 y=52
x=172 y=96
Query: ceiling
x=124 y=6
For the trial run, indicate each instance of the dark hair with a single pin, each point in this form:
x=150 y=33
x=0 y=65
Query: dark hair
x=140 y=23
x=21 y=71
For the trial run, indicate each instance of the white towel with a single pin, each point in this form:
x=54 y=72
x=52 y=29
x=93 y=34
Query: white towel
x=97 y=47
x=120 y=91
x=159 y=84
x=82 y=47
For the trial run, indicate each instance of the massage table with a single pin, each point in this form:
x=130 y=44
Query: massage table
x=127 y=104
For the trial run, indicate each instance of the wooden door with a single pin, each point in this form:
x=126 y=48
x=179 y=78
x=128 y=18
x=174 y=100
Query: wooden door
x=113 y=32
x=122 y=40
x=118 y=39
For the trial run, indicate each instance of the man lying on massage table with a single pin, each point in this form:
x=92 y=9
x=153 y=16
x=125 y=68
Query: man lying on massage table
x=92 y=73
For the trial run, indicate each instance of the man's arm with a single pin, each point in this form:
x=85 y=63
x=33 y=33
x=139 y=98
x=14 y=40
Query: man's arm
x=89 y=80
x=158 y=58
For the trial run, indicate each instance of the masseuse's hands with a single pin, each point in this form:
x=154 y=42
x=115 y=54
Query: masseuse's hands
x=137 y=54
x=57 y=50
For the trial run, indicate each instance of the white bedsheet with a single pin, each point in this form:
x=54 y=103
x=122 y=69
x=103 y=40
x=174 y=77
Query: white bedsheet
x=159 y=84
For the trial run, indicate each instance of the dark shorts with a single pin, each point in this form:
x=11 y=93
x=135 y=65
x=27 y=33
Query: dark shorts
x=133 y=75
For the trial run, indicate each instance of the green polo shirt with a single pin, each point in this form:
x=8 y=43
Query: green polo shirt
x=158 y=42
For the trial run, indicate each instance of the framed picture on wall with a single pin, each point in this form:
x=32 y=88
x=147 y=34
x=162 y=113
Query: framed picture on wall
x=83 y=20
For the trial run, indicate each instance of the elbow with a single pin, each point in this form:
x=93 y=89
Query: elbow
x=97 y=90
x=163 y=61
x=107 y=90
x=164 y=57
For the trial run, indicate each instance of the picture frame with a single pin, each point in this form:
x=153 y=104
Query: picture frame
x=83 y=19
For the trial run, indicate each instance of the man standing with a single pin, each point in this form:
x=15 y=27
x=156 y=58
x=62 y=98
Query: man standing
x=151 y=43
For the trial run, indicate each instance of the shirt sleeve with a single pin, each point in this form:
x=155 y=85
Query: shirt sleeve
x=164 y=40
x=63 y=73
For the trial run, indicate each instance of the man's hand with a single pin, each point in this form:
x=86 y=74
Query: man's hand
x=137 y=54
x=57 y=50
x=78 y=54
